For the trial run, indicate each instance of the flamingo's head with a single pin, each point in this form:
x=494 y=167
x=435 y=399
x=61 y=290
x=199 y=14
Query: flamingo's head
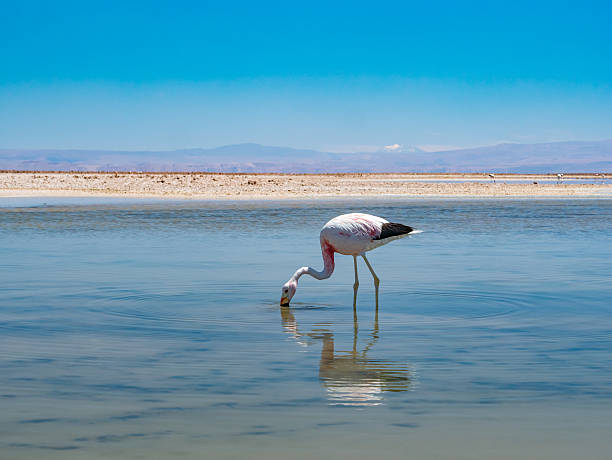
x=287 y=292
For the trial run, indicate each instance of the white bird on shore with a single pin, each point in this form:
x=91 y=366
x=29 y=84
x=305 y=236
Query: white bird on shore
x=559 y=177
x=350 y=234
x=492 y=176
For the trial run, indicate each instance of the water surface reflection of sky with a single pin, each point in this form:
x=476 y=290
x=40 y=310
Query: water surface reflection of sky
x=153 y=329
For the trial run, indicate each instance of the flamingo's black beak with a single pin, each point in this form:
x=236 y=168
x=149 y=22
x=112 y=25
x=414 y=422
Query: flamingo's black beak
x=284 y=302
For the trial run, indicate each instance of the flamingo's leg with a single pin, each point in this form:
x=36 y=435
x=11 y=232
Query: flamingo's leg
x=356 y=285
x=376 y=279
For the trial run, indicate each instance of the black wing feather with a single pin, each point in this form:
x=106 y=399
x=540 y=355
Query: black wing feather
x=390 y=229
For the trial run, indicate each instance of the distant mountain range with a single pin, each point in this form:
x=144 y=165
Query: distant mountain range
x=551 y=157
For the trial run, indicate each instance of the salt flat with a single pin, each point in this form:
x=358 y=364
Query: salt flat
x=279 y=186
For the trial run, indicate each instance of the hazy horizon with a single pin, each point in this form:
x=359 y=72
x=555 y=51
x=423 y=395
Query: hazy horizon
x=595 y=157
x=392 y=148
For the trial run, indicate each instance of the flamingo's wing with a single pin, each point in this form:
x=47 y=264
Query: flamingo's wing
x=356 y=233
x=391 y=229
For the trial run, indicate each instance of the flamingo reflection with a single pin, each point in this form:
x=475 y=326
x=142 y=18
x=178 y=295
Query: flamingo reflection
x=351 y=377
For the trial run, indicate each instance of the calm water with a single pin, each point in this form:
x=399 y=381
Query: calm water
x=501 y=180
x=152 y=330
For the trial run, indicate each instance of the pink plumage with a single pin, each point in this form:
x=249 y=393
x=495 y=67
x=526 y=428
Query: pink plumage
x=350 y=234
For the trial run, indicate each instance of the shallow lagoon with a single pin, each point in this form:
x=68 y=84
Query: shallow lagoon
x=152 y=330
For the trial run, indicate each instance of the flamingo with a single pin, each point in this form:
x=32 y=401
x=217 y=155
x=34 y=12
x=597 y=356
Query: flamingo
x=350 y=234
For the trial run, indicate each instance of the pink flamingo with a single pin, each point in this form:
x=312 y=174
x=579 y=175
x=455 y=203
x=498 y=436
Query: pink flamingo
x=350 y=234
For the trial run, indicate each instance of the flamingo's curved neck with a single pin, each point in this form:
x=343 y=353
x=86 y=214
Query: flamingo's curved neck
x=327 y=251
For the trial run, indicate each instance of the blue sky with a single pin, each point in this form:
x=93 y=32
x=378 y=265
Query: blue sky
x=335 y=76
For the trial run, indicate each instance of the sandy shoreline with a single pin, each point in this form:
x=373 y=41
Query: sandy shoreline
x=295 y=186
